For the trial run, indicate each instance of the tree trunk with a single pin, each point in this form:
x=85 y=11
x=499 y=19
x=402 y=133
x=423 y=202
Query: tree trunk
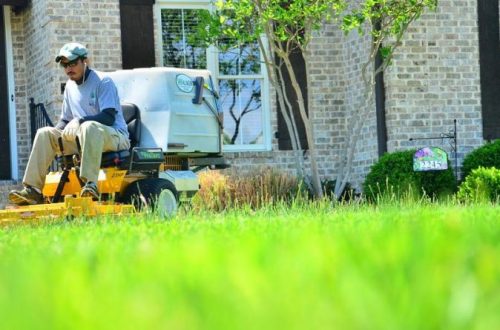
x=284 y=105
x=318 y=191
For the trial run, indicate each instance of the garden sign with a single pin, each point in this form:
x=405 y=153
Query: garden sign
x=430 y=159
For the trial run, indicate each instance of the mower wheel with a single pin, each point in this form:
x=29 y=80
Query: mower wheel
x=155 y=194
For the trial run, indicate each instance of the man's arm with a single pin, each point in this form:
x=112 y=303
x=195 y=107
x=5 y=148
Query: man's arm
x=66 y=114
x=61 y=124
x=105 y=117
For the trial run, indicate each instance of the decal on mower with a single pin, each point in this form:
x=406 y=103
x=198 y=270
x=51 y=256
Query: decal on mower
x=148 y=155
x=118 y=174
x=184 y=83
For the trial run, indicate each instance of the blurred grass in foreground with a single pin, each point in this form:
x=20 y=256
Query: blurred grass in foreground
x=349 y=267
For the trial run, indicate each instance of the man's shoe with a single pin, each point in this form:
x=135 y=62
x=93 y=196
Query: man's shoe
x=27 y=196
x=90 y=190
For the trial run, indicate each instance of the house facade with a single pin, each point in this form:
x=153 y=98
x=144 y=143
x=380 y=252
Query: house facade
x=446 y=70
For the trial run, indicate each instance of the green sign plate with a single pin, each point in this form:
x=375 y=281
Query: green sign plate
x=430 y=159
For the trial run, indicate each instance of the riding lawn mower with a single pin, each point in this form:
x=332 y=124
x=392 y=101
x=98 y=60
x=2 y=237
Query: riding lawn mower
x=175 y=128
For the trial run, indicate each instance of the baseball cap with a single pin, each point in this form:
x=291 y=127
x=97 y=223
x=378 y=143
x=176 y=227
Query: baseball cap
x=72 y=51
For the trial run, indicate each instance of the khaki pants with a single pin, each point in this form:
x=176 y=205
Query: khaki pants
x=95 y=138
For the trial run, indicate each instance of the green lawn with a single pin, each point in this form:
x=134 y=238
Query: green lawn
x=393 y=267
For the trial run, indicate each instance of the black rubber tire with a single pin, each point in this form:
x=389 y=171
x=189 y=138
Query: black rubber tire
x=146 y=193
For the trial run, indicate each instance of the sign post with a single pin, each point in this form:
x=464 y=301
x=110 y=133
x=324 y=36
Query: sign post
x=424 y=162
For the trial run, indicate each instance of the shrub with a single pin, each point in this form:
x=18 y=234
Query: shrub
x=256 y=189
x=393 y=173
x=486 y=156
x=482 y=184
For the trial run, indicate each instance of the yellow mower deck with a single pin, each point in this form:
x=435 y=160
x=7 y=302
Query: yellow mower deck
x=71 y=207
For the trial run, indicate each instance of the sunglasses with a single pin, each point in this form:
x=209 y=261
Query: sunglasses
x=69 y=64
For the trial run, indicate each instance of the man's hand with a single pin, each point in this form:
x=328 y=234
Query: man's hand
x=70 y=132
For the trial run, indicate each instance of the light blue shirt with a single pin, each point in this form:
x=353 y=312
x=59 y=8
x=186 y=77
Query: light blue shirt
x=96 y=93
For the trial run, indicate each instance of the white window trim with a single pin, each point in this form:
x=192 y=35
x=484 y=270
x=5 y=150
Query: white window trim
x=11 y=92
x=213 y=67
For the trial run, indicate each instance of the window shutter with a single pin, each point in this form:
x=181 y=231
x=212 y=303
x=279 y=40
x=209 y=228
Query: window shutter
x=136 y=19
x=5 y=173
x=19 y=3
x=489 y=49
x=284 y=141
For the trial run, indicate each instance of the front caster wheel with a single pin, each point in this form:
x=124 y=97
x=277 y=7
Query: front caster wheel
x=156 y=194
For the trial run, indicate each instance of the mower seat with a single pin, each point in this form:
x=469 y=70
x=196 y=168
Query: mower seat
x=121 y=158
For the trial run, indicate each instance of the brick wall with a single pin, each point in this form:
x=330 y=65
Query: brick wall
x=360 y=105
x=435 y=79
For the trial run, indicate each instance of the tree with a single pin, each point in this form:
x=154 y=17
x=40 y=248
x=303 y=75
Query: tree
x=283 y=27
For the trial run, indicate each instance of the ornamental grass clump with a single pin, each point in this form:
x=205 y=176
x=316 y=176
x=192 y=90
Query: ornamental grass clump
x=214 y=193
x=256 y=189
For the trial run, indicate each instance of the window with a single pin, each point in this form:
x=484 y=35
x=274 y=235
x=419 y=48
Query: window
x=238 y=71
x=178 y=29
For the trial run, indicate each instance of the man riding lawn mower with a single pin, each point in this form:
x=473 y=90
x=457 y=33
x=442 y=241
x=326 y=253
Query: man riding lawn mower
x=147 y=153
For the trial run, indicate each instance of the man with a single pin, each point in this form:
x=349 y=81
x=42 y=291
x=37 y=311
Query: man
x=91 y=111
